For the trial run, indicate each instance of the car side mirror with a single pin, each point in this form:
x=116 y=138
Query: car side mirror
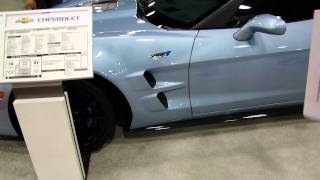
x=264 y=23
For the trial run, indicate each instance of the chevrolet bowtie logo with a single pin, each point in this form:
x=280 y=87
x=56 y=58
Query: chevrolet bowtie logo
x=24 y=20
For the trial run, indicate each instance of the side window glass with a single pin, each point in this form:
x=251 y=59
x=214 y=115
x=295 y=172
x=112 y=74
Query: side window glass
x=177 y=13
x=289 y=10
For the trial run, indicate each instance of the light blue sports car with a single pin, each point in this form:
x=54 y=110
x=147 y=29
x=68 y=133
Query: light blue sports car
x=164 y=61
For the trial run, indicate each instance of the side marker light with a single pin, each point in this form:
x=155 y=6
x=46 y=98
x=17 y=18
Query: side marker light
x=1 y=95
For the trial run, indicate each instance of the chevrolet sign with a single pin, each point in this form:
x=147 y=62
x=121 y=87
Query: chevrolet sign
x=59 y=19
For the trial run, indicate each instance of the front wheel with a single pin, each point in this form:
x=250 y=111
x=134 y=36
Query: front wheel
x=93 y=114
x=92 y=111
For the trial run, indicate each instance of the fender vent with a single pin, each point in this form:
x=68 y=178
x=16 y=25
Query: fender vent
x=150 y=79
x=163 y=99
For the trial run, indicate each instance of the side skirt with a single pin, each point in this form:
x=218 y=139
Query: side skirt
x=237 y=117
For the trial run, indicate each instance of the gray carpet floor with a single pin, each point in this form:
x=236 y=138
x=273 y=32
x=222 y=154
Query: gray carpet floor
x=277 y=148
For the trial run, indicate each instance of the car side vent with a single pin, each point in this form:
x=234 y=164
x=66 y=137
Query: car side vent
x=163 y=99
x=150 y=79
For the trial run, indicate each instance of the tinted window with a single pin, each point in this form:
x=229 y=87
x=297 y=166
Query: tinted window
x=177 y=13
x=289 y=10
x=100 y=5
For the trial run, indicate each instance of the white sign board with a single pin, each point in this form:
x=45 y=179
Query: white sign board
x=312 y=98
x=46 y=45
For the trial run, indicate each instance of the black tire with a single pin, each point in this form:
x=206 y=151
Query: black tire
x=93 y=114
x=13 y=116
x=92 y=111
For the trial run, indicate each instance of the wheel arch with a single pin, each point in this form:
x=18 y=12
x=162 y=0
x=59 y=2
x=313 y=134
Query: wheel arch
x=122 y=107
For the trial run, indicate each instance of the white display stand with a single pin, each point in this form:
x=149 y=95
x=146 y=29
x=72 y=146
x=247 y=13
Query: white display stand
x=47 y=126
x=43 y=48
x=312 y=98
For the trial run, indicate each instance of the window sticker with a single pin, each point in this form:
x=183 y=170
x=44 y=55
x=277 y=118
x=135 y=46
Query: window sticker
x=47 y=46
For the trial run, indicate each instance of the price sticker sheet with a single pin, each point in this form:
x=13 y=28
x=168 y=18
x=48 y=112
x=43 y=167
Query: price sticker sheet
x=46 y=45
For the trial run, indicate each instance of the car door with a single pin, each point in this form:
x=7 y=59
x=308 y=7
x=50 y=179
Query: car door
x=227 y=75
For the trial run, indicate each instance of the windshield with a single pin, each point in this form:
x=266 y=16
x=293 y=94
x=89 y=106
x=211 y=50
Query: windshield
x=100 y=5
x=177 y=13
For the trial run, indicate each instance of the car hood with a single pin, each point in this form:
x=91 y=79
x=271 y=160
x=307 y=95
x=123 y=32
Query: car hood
x=113 y=16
